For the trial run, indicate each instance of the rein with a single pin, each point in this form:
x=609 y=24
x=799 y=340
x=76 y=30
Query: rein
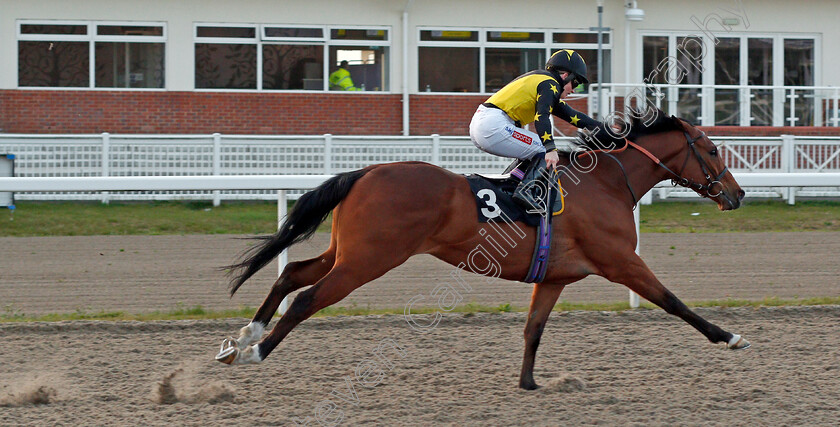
x=677 y=178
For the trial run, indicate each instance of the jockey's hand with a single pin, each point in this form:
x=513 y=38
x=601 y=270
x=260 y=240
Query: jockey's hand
x=551 y=159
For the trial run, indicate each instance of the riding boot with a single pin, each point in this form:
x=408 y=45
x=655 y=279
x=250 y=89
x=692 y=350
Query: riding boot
x=533 y=191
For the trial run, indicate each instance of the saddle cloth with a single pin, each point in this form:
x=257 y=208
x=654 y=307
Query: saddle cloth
x=494 y=197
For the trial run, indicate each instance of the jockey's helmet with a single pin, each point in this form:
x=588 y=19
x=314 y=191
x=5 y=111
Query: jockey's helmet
x=570 y=61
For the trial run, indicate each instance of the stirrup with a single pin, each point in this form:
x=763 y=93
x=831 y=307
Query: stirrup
x=533 y=180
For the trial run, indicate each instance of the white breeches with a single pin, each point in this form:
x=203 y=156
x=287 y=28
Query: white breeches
x=493 y=131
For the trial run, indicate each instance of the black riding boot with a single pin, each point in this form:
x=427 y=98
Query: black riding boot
x=533 y=191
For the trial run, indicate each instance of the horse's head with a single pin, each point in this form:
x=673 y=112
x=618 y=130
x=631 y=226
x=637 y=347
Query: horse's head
x=704 y=170
x=689 y=158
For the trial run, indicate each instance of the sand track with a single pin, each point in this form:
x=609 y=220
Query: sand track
x=631 y=368
x=636 y=368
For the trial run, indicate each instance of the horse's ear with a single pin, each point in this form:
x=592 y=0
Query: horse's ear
x=678 y=123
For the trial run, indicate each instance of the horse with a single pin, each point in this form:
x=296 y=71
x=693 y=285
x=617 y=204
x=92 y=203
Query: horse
x=384 y=214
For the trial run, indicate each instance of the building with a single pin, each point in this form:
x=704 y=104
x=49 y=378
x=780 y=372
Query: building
x=419 y=66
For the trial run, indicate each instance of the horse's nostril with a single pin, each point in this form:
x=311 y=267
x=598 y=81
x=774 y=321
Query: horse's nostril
x=741 y=194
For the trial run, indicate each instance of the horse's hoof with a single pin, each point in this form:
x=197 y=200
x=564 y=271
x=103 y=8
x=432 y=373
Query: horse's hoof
x=228 y=351
x=738 y=343
x=528 y=385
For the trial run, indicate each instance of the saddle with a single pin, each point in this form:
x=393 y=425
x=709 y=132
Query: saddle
x=495 y=202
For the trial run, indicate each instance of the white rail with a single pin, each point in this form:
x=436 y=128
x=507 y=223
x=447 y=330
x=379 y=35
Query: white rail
x=161 y=183
x=290 y=182
x=104 y=155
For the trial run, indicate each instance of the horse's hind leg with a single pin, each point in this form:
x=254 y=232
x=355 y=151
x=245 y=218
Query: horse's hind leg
x=336 y=285
x=296 y=275
x=638 y=277
x=542 y=301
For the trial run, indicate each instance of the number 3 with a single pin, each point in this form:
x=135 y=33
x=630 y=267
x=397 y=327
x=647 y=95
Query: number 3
x=494 y=210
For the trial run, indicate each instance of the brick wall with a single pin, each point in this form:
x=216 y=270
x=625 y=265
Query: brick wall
x=57 y=111
x=43 y=111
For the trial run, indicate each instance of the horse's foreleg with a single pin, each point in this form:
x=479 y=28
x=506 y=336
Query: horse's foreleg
x=543 y=299
x=638 y=277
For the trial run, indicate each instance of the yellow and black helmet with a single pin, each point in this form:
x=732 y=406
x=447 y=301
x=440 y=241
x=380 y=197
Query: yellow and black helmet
x=568 y=60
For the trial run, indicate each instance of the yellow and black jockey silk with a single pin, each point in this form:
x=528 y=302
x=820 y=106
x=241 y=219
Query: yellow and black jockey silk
x=532 y=97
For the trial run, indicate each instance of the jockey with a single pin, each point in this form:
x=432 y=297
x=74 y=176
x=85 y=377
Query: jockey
x=496 y=126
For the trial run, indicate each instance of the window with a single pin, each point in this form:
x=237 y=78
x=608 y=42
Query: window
x=735 y=83
x=58 y=54
x=226 y=57
x=760 y=73
x=799 y=71
x=450 y=63
x=484 y=60
x=449 y=69
x=275 y=57
x=728 y=72
x=502 y=65
x=690 y=57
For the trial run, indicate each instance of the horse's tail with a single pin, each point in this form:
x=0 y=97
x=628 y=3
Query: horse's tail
x=310 y=211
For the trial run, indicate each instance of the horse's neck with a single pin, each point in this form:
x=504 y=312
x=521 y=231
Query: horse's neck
x=642 y=172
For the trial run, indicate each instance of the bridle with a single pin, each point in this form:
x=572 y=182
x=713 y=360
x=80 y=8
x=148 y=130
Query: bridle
x=677 y=179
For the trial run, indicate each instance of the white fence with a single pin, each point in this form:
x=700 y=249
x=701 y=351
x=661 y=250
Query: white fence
x=233 y=155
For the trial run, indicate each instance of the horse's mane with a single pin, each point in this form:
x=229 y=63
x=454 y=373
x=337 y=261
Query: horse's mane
x=641 y=122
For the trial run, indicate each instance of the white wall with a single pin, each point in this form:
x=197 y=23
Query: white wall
x=813 y=17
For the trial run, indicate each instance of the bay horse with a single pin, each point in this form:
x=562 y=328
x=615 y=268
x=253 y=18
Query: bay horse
x=383 y=214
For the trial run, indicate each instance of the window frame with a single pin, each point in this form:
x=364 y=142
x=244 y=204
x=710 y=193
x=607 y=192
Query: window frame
x=707 y=113
x=91 y=38
x=548 y=45
x=260 y=39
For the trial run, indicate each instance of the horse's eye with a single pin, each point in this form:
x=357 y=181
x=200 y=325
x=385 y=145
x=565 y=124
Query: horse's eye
x=713 y=152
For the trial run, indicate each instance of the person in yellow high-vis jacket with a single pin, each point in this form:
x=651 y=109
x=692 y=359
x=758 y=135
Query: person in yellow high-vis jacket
x=340 y=78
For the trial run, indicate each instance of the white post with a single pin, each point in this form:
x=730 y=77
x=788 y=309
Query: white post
x=436 y=149
x=106 y=161
x=647 y=199
x=327 y=154
x=283 y=259
x=405 y=64
x=835 y=120
x=788 y=162
x=745 y=98
x=634 y=297
x=792 y=119
x=217 y=165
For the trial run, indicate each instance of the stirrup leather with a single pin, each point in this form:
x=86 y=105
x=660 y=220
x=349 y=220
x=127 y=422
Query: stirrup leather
x=534 y=191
